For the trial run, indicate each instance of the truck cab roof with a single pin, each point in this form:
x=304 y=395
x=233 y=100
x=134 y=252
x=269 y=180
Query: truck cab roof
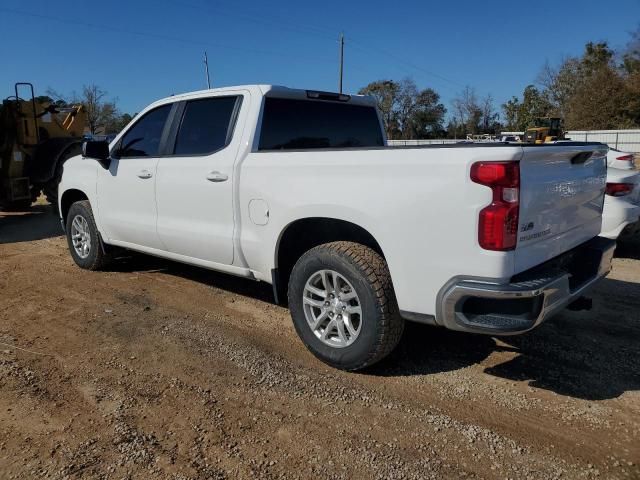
x=265 y=90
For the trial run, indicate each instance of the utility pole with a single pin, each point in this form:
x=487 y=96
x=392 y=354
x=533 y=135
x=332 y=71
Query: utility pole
x=206 y=69
x=341 y=61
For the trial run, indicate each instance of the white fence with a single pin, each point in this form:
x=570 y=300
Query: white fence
x=625 y=140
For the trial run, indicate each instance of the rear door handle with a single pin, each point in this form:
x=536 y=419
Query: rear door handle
x=217 y=176
x=144 y=174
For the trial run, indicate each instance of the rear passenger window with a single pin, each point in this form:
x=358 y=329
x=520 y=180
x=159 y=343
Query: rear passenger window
x=143 y=139
x=206 y=126
x=289 y=124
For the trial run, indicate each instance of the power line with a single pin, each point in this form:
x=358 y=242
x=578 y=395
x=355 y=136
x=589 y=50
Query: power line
x=318 y=31
x=169 y=38
x=411 y=65
x=275 y=22
x=265 y=20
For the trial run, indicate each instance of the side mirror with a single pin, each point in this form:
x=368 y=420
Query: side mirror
x=98 y=151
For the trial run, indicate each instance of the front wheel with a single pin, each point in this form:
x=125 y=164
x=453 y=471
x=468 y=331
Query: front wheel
x=83 y=238
x=343 y=305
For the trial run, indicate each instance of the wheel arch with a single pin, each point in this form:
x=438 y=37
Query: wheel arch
x=303 y=234
x=69 y=197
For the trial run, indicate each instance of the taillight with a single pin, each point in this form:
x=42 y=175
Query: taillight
x=498 y=222
x=626 y=158
x=619 y=189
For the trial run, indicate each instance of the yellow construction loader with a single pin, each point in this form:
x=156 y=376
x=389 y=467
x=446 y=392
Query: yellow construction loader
x=36 y=138
x=546 y=130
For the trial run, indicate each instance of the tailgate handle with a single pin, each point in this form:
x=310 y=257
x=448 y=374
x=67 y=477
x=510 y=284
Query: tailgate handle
x=581 y=158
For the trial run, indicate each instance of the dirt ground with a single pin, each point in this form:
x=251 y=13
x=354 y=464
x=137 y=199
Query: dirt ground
x=157 y=370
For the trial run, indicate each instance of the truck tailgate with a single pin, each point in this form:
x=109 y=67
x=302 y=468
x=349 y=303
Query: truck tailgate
x=561 y=199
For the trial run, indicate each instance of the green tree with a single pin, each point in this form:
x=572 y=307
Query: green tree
x=473 y=115
x=427 y=117
x=117 y=123
x=631 y=73
x=386 y=94
x=466 y=111
x=631 y=53
x=600 y=102
x=559 y=84
x=600 y=98
x=407 y=112
x=521 y=114
x=490 y=122
x=100 y=111
x=454 y=130
x=510 y=110
x=591 y=91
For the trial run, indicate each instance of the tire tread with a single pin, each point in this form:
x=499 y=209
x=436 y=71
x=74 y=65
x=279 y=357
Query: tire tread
x=374 y=269
x=101 y=258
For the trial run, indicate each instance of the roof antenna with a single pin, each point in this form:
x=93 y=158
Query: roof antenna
x=206 y=69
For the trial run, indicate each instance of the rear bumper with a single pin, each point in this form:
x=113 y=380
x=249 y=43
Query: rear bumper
x=482 y=306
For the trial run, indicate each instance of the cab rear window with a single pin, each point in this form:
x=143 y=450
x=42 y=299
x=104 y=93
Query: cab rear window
x=289 y=124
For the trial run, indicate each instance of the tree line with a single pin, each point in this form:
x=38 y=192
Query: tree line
x=103 y=114
x=410 y=113
x=598 y=90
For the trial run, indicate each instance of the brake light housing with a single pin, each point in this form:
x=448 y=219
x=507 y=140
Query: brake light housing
x=498 y=221
x=626 y=158
x=619 y=189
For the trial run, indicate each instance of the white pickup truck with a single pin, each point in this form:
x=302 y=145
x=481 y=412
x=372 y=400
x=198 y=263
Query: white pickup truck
x=298 y=188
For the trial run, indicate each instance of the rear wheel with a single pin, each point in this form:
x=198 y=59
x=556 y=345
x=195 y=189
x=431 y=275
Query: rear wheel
x=83 y=238
x=343 y=305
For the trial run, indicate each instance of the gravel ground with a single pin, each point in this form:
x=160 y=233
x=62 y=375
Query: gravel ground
x=157 y=370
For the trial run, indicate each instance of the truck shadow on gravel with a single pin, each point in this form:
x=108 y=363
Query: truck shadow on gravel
x=588 y=355
x=137 y=262
x=37 y=223
x=427 y=350
x=628 y=249
x=422 y=350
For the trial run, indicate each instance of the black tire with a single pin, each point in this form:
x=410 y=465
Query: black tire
x=50 y=189
x=381 y=325
x=97 y=258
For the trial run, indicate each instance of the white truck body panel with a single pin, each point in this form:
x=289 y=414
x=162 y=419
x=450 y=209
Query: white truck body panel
x=619 y=212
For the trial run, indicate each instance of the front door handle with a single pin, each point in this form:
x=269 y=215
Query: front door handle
x=144 y=174
x=217 y=176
